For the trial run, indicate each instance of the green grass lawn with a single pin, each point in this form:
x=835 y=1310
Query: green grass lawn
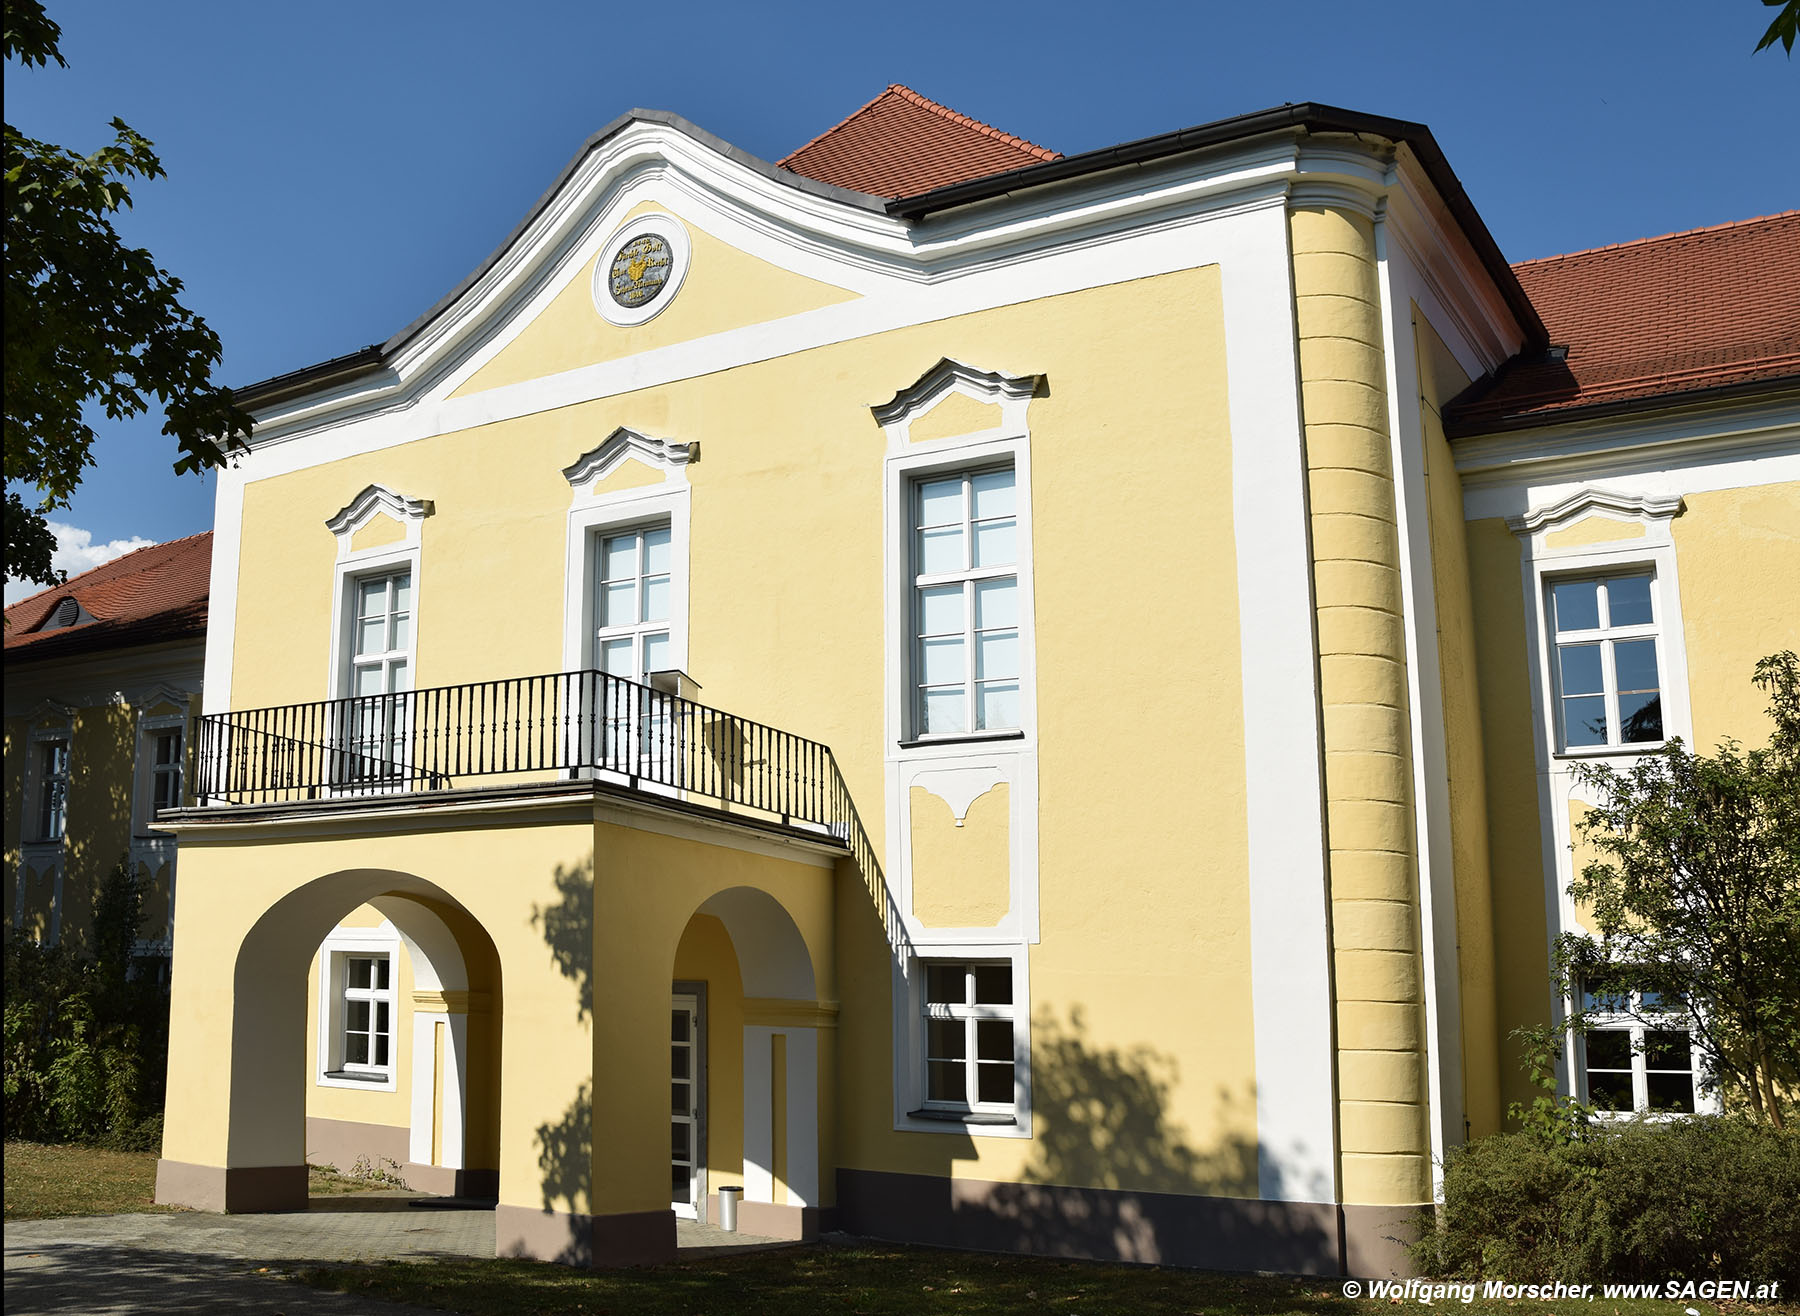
x=865 y=1279
x=49 y=1181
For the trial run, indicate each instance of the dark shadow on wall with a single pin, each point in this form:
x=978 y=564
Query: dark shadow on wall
x=566 y=1155
x=1113 y=1172
x=568 y=930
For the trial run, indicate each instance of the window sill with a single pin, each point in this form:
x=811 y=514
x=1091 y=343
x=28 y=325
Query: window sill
x=357 y=1078
x=971 y=738
x=964 y=1117
x=1610 y=751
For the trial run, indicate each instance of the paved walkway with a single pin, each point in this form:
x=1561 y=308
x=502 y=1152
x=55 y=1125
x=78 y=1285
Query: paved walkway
x=191 y=1261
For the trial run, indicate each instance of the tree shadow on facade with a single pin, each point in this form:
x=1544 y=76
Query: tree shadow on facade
x=1102 y=1118
x=568 y=930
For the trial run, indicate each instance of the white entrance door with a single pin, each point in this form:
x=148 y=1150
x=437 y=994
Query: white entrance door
x=687 y=1096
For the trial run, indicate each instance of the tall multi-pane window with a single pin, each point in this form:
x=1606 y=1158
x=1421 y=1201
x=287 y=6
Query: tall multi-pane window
x=1608 y=681
x=165 y=770
x=965 y=603
x=368 y=1013
x=53 y=789
x=380 y=663
x=1637 y=1054
x=631 y=606
x=969 y=1037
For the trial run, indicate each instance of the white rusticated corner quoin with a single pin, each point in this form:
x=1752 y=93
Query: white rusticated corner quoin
x=623 y=444
x=1012 y=393
x=960 y=787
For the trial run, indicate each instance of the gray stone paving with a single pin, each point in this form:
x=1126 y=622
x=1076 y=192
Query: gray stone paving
x=191 y=1261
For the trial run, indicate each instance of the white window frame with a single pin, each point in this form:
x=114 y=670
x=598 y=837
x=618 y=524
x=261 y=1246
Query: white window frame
x=1635 y=1023
x=335 y=953
x=914 y=1111
x=150 y=730
x=40 y=741
x=1606 y=636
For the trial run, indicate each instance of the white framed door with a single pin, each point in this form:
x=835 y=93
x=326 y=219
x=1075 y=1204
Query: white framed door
x=687 y=1106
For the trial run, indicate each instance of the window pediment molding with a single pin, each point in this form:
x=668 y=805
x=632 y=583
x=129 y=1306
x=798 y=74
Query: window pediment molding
x=1644 y=508
x=1011 y=393
x=379 y=500
x=622 y=445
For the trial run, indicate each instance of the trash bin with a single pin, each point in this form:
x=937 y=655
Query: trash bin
x=728 y=1205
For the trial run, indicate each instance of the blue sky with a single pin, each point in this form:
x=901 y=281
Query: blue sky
x=334 y=168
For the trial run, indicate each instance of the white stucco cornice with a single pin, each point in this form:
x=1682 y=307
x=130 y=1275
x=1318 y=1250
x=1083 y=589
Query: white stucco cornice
x=623 y=445
x=1626 y=506
x=1010 y=392
x=377 y=500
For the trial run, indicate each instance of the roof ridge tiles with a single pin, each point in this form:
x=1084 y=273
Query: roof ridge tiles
x=1658 y=237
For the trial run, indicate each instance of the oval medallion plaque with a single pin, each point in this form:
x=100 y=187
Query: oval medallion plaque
x=640 y=270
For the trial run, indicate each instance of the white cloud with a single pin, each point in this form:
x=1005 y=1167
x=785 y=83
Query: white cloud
x=75 y=553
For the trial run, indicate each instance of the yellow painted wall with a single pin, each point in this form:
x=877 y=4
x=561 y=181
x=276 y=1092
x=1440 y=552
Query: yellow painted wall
x=1382 y=1114
x=961 y=875
x=1439 y=380
x=1738 y=555
x=1594 y=529
x=1154 y=903
x=724 y=289
x=954 y=414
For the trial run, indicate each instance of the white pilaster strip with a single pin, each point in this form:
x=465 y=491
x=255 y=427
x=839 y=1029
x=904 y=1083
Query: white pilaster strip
x=803 y=1116
x=759 y=1149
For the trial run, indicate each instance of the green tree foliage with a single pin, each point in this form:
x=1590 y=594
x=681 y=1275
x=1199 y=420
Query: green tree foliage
x=89 y=320
x=85 y=1041
x=1785 y=27
x=1695 y=896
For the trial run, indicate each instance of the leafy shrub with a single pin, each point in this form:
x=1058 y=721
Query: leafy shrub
x=86 y=1041
x=1702 y=1197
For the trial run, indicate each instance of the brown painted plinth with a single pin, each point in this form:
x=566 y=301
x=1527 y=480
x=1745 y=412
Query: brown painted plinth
x=1377 y=1240
x=778 y=1219
x=242 y=1189
x=1171 y=1229
x=443 y=1181
x=633 y=1238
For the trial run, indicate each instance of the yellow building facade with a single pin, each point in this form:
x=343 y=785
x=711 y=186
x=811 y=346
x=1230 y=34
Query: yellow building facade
x=996 y=718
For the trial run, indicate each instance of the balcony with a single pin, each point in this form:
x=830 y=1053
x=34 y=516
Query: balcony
x=578 y=728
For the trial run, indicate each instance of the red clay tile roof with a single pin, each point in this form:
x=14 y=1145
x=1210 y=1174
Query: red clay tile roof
x=155 y=594
x=1653 y=319
x=901 y=144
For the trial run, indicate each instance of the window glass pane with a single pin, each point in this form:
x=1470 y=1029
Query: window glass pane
x=678 y=1025
x=617 y=659
x=1635 y=664
x=1628 y=601
x=993 y=494
x=1580 y=669
x=678 y=1140
x=1640 y=718
x=656 y=652
x=679 y=1187
x=402 y=630
x=678 y=1099
x=360 y=972
x=1670 y=1092
x=996 y=603
x=940 y=502
x=1668 y=1049
x=1609 y=1090
x=996 y=654
x=381 y=975
x=946 y=984
x=941 y=610
x=995 y=544
x=356 y=1048
x=946 y=1039
x=356 y=1016
x=1609 y=1049
x=1604 y=1001
x=371 y=636
x=995 y=1084
x=1584 y=720
x=1577 y=605
x=402 y=601
x=619 y=558
x=941 y=659
x=994 y=1040
x=371 y=597
x=999 y=705
x=993 y=984
x=656 y=598
x=399 y=678
x=381 y=1049
x=618 y=603
x=940 y=549
x=168 y=747
x=947 y=1081
x=656 y=551
x=946 y=711
x=678 y=1062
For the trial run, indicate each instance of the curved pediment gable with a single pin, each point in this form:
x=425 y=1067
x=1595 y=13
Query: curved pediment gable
x=953 y=400
x=626 y=457
x=1631 y=512
x=376 y=518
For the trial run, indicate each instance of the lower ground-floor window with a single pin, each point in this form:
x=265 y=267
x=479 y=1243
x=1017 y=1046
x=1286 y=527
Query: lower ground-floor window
x=969 y=1030
x=358 y=1009
x=1637 y=1056
x=368 y=1012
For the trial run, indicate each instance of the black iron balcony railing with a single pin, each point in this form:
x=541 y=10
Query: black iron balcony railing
x=563 y=726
